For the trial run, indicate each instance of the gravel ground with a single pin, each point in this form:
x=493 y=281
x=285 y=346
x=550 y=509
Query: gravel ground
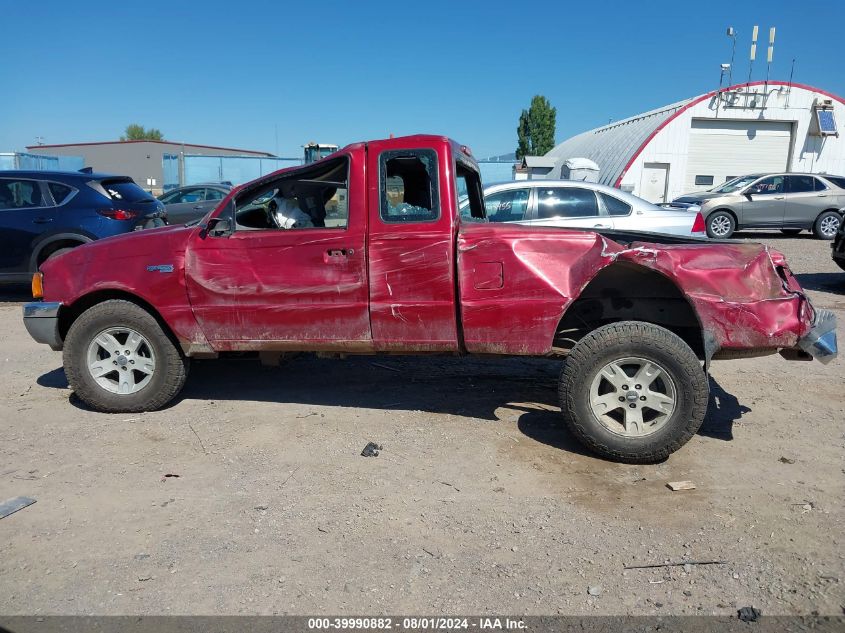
x=479 y=502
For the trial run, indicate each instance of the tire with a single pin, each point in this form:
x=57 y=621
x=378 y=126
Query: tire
x=680 y=378
x=149 y=376
x=826 y=225
x=720 y=225
x=791 y=231
x=840 y=263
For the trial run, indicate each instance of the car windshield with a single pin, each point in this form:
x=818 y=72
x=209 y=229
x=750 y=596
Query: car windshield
x=735 y=185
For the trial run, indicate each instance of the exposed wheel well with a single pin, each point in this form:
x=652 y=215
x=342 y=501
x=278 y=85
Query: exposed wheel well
x=834 y=209
x=627 y=292
x=69 y=314
x=52 y=247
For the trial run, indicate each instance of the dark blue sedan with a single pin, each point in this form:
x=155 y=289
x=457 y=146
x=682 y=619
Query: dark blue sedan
x=46 y=213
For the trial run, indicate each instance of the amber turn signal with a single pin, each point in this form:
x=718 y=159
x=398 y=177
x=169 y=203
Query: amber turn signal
x=38 y=286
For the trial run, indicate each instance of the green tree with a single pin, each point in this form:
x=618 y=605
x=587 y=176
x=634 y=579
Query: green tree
x=536 y=129
x=523 y=137
x=135 y=132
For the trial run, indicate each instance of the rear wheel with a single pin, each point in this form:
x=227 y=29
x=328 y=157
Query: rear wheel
x=117 y=358
x=720 y=225
x=633 y=392
x=826 y=225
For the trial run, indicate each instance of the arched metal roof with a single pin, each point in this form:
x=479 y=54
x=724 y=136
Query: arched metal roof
x=612 y=146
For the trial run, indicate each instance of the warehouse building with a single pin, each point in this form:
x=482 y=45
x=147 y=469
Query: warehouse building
x=699 y=143
x=155 y=165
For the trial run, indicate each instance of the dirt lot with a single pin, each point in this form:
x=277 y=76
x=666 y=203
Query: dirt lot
x=479 y=502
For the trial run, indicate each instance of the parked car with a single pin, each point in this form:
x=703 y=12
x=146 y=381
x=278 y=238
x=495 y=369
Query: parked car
x=399 y=270
x=790 y=202
x=838 y=246
x=573 y=203
x=44 y=214
x=190 y=203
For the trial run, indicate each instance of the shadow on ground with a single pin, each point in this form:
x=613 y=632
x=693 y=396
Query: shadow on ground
x=466 y=387
x=824 y=282
x=17 y=293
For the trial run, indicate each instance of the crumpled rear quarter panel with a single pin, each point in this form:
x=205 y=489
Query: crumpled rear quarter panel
x=740 y=300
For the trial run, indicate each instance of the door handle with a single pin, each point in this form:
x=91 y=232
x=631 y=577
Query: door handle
x=198 y=207
x=42 y=220
x=337 y=255
x=822 y=195
x=778 y=197
x=601 y=226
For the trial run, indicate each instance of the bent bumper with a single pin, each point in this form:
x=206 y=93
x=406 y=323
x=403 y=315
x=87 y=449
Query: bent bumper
x=820 y=341
x=41 y=319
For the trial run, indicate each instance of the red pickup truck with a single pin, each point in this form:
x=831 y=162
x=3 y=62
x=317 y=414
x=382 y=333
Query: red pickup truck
x=373 y=250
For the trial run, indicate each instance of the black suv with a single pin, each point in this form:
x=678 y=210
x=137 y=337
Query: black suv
x=838 y=245
x=46 y=213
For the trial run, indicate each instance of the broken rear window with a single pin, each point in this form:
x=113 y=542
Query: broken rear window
x=409 y=190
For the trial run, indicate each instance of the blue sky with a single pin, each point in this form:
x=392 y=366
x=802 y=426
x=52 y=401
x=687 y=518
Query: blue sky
x=242 y=73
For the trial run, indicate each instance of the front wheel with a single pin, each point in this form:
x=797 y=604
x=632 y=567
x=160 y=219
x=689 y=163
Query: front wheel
x=720 y=225
x=827 y=225
x=633 y=392
x=117 y=358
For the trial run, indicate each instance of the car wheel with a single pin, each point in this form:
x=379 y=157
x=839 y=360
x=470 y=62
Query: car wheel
x=720 y=224
x=117 y=358
x=826 y=226
x=791 y=231
x=633 y=392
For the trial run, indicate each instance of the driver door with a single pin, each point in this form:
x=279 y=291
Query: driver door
x=296 y=289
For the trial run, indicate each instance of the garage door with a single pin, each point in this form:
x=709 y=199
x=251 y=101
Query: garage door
x=720 y=150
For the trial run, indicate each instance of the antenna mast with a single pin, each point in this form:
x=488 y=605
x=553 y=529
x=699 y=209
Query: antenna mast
x=770 y=54
x=753 y=51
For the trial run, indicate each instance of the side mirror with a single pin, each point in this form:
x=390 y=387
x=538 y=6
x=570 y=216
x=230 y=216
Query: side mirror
x=219 y=227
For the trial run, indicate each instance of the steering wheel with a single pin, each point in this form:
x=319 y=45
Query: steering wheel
x=271 y=209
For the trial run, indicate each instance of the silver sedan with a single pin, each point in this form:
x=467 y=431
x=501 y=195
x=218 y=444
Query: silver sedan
x=573 y=203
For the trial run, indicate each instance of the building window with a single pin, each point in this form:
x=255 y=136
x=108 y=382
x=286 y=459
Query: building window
x=704 y=181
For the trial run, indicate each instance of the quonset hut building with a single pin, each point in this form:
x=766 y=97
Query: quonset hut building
x=699 y=143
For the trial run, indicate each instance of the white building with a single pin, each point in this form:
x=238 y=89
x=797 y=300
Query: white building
x=701 y=142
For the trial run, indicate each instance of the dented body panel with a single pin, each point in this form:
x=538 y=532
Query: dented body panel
x=445 y=285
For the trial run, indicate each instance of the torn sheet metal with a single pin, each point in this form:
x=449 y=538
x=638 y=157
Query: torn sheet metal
x=743 y=295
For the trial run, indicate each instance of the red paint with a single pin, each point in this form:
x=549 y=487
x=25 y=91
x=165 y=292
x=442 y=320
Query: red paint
x=704 y=97
x=440 y=286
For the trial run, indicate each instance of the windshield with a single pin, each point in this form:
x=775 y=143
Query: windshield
x=735 y=185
